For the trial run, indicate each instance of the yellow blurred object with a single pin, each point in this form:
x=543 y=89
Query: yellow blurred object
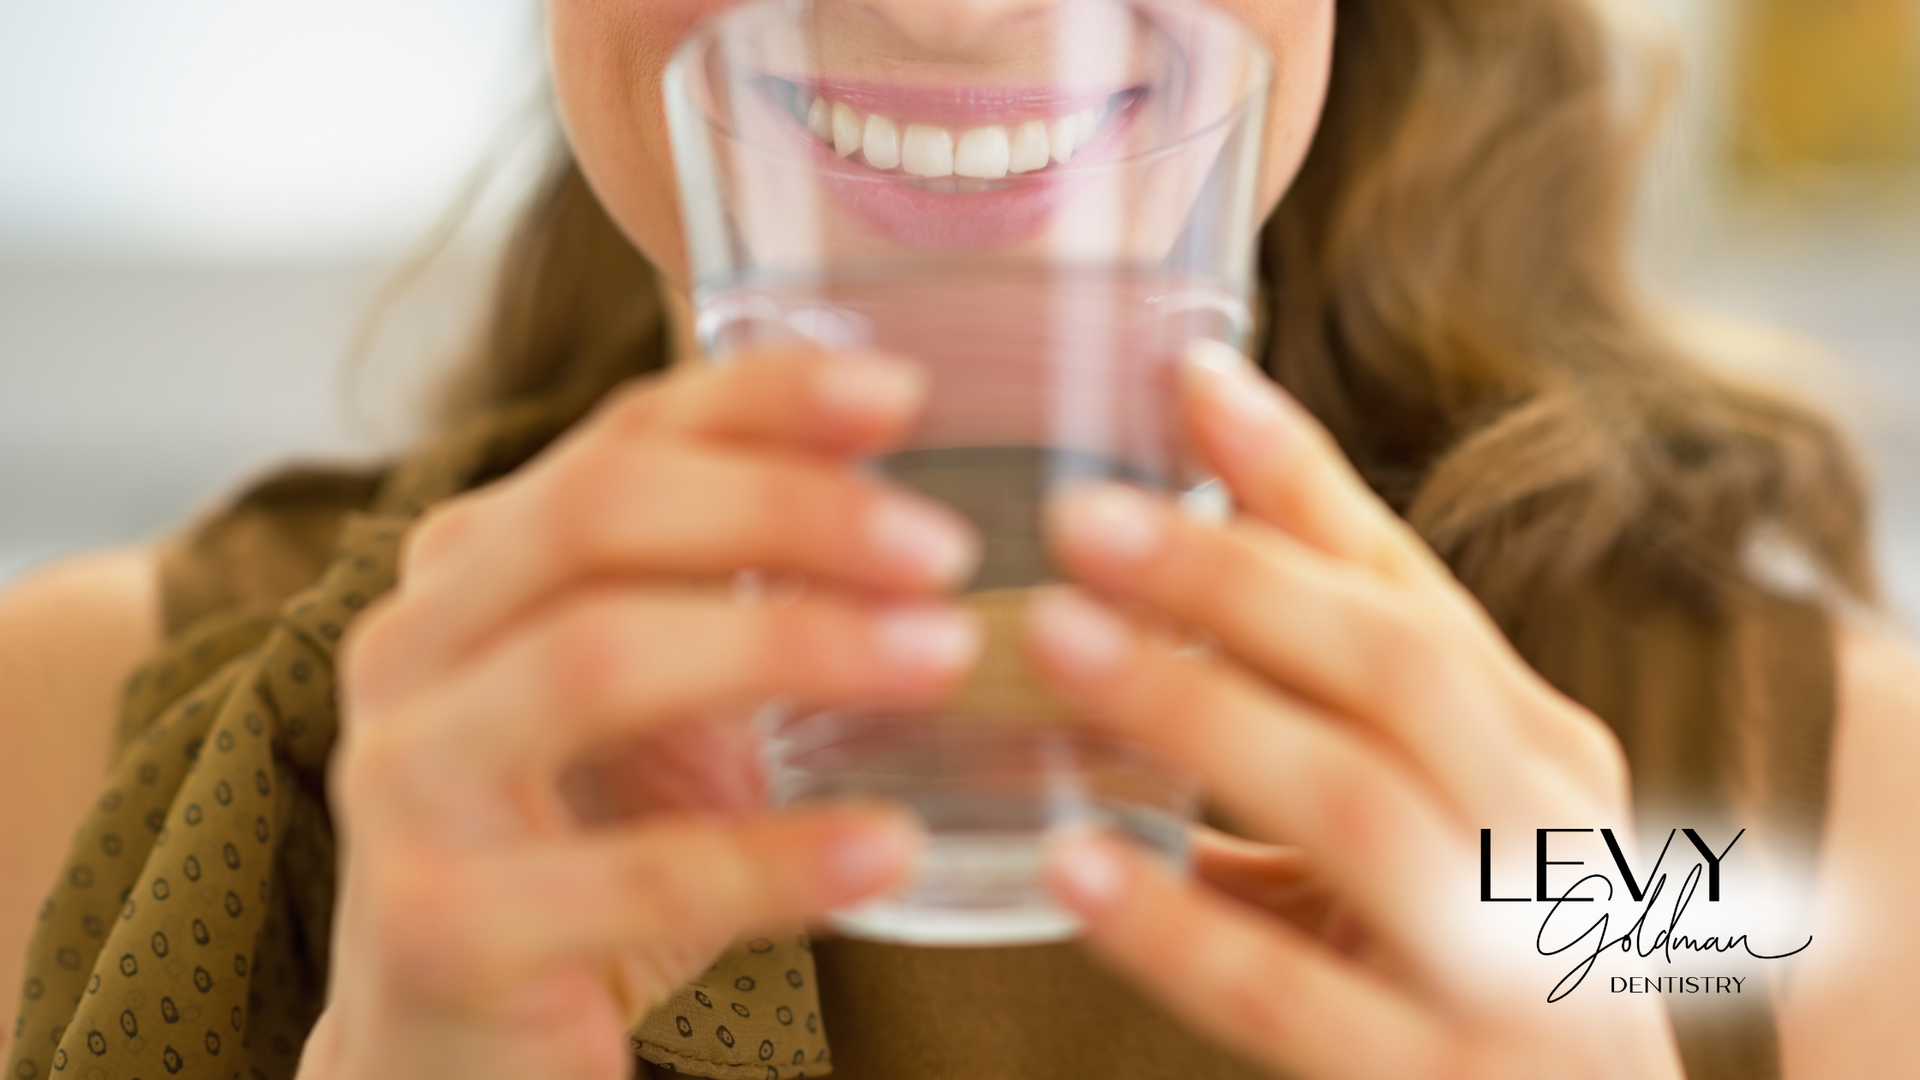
x=1004 y=686
x=1826 y=84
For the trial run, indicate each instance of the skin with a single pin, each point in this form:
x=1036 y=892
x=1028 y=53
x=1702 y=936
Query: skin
x=521 y=878
x=609 y=57
x=69 y=636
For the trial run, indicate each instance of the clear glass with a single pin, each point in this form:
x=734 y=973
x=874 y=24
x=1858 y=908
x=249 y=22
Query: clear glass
x=990 y=792
x=1044 y=209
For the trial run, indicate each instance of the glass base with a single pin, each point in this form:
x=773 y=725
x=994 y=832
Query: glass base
x=900 y=922
x=991 y=795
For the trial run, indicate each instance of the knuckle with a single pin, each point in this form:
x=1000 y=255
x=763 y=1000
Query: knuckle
x=664 y=895
x=367 y=767
x=440 y=530
x=1357 y=811
x=1416 y=669
x=790 y=497
x=1162 y=684
x=572 y=501
x=581 y=513
x=688 y=894
x=1215 y=566
x=1404 y=625
x=841 y=505
x=811 y=642
x=369 y=639
x=1253 y=1000
x=583 y=654
x=1468 y=1057
x=418 y=912
x=633 y=408
x=1206 y=693
x=811 y=517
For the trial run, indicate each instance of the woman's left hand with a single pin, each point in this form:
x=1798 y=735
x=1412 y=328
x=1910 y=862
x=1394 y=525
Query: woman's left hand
x=1358 y=704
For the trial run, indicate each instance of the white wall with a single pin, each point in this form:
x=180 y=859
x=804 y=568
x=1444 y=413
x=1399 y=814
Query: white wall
x=198 y=200
x=242 y=131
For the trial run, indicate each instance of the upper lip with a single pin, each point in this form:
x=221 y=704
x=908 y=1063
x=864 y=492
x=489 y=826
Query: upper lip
x=959 y=106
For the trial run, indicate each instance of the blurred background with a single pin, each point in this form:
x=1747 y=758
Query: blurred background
x=201 y=200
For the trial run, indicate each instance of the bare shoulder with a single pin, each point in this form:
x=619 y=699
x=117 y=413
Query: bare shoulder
x=1877 y=740
x=71 y=628
x=1849 y=1012
x=1879 y=675
x=70 y=633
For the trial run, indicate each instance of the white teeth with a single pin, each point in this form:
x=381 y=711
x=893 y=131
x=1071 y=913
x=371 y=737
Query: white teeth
x=1061 y=135
x=846 y=130
x=983 y=154
x=881 y=143
x=928 y=151
x=1030 y=149
x=820 y=119
x=1085 y=125
x=932 y=152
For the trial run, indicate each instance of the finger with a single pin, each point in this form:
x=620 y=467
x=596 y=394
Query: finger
x=1284 y=468
x=1278 y=768
x=1215 y=852
x=1271 y=877
x=1249 y=981
x=1334 y=632
x=1278 y=881
x=668 y=509
x=709 y=764
x=1287 y=471
x=616 y=663
x=835 y=403
x=674 y=891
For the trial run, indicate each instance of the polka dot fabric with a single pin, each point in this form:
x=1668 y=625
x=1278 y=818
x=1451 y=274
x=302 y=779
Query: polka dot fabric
x=187 y=934
x=754 y=1016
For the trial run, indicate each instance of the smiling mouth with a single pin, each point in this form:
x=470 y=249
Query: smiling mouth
x=952 y=142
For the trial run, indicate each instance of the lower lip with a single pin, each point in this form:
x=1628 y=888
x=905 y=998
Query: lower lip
x=1018 y=209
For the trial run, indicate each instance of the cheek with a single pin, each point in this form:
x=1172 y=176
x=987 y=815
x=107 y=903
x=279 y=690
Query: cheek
x=608 y=60
x=1299 y=34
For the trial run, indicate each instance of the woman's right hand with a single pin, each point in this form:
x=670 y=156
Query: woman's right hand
x=580 y=612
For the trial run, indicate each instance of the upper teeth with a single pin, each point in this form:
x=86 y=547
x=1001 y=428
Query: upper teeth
x=932 y=151
x=880 y=142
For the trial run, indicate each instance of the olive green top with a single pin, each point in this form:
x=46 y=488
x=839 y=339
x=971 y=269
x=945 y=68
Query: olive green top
x=187 y=934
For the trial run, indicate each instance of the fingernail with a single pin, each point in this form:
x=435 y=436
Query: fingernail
x=1111 y=519
x=1234 y=386
x=923 y=637
x=928 y=540
x=1088 y=869
x=1220 y=358
x=872 y=853
x=862 y=389
x=1077 y=632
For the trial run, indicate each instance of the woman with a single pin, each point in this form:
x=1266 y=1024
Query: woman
x=519 y=884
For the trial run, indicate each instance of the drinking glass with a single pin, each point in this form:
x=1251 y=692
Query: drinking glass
x=1044 y=208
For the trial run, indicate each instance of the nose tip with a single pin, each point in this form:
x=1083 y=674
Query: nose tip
x=951 y=24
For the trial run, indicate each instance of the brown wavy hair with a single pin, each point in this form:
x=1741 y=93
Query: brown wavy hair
x=1447 y=289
